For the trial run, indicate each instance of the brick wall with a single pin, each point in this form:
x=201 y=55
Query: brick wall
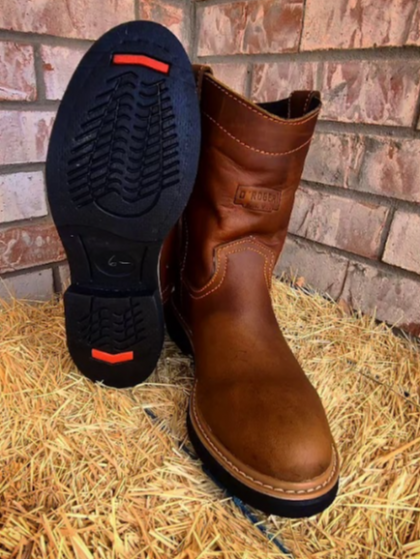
x=355 y=230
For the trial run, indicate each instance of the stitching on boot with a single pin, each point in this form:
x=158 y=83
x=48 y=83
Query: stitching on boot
x=236 y=469
x=231 y=250
x=252 y=148
x=251 y=108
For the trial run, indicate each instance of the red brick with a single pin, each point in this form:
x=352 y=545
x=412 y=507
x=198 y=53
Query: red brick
x=375 y=164
x=402 y=246
x=375 y=92
x=391 y=298
x=24 y=247
x=27 y=134
x=65 y=18
x=22 y=196
x=332 y=158
x=320 y=269
x=35 y=286
x=249 y=27
x=173 y=17
x=58 y=65
x=17 y=72
x=382 y=92
x=233 y=75
x=339 y=222
x=271 y=82
x=339 y=24
x=414 y=36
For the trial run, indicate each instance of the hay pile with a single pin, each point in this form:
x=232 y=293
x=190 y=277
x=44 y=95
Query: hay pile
x=92 y=472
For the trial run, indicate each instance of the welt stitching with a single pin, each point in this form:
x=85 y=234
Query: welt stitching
x=252 y=148
x=259 y=113
x=236 y=469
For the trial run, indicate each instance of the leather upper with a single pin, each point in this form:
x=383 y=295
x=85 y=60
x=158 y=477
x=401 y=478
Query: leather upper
x=253 y=407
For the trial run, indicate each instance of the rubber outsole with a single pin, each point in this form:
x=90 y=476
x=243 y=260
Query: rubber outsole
x=265 y=503
x=121 y=166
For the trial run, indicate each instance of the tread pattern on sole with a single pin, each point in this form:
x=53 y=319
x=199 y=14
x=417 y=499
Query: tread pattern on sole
x=127 y=150
x=103 y=329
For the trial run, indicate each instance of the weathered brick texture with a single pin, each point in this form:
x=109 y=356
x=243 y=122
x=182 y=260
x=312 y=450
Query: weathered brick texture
x=58 y=65
x=355 y=229
x=24 y=135
x=366 y=91
x=35 y=286
x=84 y=19
x=350 y=225
x=22 y=196
x=401 y=248
x=27 y=246
x=250 y=27
x=315 y=265
x=17 y=72
x=172 y=16
x=363 y=24
x=378 y=165
x=233 y=75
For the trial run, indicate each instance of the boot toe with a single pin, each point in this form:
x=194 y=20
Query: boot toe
x=286 y=439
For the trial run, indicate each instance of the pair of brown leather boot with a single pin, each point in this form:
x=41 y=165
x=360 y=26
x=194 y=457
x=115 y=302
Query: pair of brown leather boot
x=121 y=167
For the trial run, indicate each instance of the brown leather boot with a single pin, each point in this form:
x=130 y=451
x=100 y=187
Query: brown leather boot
x=254 y=418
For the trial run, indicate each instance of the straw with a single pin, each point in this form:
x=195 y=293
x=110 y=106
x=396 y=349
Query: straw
x=93 y=472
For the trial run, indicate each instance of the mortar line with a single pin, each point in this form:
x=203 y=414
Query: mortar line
x=39 y=75
x=194 y=31
x=385 y=233
x=39 y=106
x=43 y=39
x=366 y=129
x=28 y=222
x=361 y=55
x=364 y=197
x=302 y=26
x=393 y=271
x=13 y=168
x=137 y=9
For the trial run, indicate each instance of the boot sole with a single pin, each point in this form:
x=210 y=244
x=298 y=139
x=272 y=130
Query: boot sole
x=261 y=501
x=121 y=166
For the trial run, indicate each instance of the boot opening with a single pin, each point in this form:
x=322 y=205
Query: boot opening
x=297 y=105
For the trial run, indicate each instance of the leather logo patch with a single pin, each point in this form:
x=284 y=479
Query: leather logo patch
x=258 y=198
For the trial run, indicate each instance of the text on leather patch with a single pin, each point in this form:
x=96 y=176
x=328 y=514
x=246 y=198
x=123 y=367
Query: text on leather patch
x=258 y=198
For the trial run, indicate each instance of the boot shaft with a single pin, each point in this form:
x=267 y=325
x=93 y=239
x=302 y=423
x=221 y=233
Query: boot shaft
x=251 y=162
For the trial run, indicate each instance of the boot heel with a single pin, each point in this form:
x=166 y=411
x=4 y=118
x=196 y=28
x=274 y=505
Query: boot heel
x=176 y=331
x=114 y=338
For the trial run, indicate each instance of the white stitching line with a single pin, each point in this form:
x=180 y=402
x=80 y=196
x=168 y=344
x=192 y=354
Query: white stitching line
x=236 y=469
x=260 y=113
x=226 y=253
x=252 y=148
x=218 y=250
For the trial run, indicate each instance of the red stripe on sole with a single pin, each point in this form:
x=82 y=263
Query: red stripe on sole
x=141 y=60
x=112 y=359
